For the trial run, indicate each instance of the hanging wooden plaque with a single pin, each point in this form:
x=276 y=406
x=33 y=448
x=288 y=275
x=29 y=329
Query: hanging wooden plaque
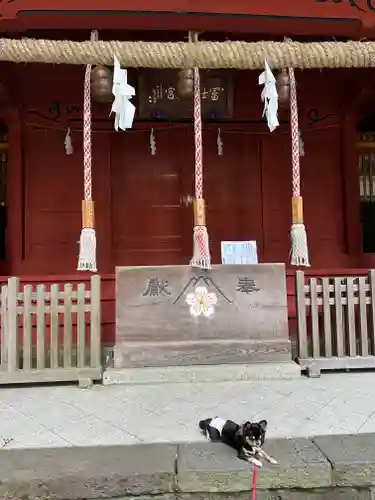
x=158 y=98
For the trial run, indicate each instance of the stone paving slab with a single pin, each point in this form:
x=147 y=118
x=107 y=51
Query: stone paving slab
x=317 y=494
x=296 y=494
x=215 y=467
x=87 y=472
x=61 y=416
x=188 y=471
x=352 y=458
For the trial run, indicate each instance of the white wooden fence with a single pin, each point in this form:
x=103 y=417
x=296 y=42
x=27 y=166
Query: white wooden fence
x=335 y=322
x=44 y=336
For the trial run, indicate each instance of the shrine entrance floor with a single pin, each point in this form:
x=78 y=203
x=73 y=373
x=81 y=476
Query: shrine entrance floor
x=107 y=415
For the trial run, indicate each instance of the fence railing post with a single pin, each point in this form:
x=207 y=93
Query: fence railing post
x=81 y=325
x=327 y=318
x=54 y=326
x=12 y=324
x=339 y=316
x=68 y=326
x=363 y=323
x=301 y=314
x=27 y=337
x=314 y=316
x=350 y=310
x=4 y=326
x=95 y=322
x=371 y=279
x=40 y=327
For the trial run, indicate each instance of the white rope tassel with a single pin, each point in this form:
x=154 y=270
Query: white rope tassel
x=200 y=248
x=299 y=252
x=87 y=250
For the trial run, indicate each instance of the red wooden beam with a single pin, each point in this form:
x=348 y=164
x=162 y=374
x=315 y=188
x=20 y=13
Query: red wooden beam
x=293 y=17
x=320 y=9
x=266 y=27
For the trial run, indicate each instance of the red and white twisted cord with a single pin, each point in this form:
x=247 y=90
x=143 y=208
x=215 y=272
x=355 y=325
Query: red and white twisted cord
x=198 y=136
x=296 y=181
x=87 y=159
x=200 y=231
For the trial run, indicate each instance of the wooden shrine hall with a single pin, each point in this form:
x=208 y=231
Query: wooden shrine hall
x=143 y=179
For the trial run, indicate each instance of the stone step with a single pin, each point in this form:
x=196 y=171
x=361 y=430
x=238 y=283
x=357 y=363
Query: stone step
x=202 y=373
x=201 y=352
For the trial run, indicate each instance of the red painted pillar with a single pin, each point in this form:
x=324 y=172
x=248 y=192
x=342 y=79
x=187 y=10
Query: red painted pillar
x=351 y=189
x=102 y=196
x=15 y=192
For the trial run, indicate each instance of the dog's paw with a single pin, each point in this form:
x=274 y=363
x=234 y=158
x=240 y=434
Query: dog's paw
x=273 y=461
x=256 y=462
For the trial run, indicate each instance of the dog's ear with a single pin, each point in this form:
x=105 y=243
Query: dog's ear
x=239 y=431
x=263 y=424
x=243 y=428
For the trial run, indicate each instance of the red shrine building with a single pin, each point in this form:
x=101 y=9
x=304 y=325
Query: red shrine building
x=143 y=178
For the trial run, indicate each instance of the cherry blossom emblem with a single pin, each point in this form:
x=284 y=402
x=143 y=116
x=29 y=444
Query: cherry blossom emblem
x=201 y=302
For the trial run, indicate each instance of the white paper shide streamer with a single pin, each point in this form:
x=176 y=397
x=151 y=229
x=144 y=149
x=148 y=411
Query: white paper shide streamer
x=269 y=97
x=122 y=107
x=68 y=143
x=301 y=144
x=219 y=143
x=152 y=143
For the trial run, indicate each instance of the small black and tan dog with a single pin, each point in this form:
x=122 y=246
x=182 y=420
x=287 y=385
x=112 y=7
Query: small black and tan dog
x=247 y=439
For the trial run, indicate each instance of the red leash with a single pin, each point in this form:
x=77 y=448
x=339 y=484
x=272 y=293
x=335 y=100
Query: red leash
x=255 y=474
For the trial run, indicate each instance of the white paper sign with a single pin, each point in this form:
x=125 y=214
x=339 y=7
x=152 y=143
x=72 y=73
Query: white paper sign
x=239 y=252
